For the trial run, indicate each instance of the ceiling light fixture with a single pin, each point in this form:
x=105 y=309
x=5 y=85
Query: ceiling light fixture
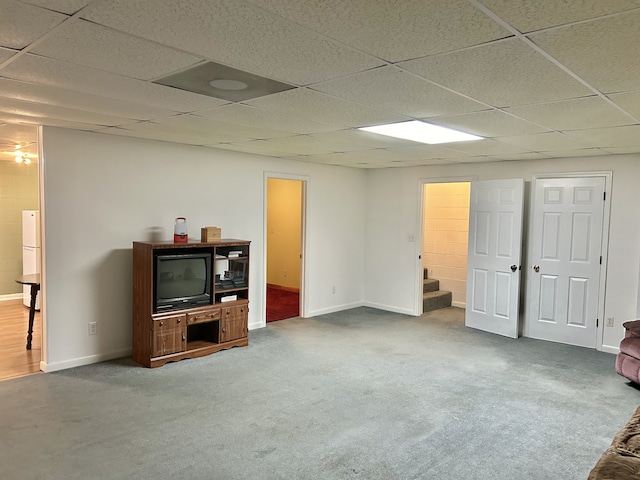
x=223 y=82
x=422 y=132
x=228 y=84
x=23 y=158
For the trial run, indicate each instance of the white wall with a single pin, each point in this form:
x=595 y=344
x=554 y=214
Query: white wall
x=393 y=197
x=102 y=192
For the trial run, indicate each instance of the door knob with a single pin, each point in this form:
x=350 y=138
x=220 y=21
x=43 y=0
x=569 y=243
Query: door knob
x=513 y=268
x=536 y=268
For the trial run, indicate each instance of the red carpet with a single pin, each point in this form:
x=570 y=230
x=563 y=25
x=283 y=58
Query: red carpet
x=281 y=304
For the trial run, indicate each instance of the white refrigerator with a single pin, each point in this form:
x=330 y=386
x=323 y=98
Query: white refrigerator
x=30 y=250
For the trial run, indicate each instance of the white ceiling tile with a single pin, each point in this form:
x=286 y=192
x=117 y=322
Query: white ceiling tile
x=326 y=109
x=304 y=145
x=79 y=101
x=105 y=49
x=38 y=110
x=378 y=165
x=471 y=159
x=262 y=118
x=542 y=142
x=45 y=71
x=368 y=139
x=528 y=16
x=205 y=131
x=168 y=133
x=324 y=159
x=400 y=92
x=628 y=136
x=319 y=159
x=361 y=157
x=501 y=74
x=490 y=123
x=622 y=150
x=52 y=122
x=393 y=30
x=428 y=162
x=629 y=101
x=602 y=52
x=18 y=135
x=220 y=130
x=578 y=113
x=426 y=152
x=65 y=6
x=349 y=140
x=375 y=156
x=153 y=132
x=254 y=146
x=6 y=54
x=486 y=147
x=520 y=156
x=21 y=24
x=236 y=34
x=582 y=152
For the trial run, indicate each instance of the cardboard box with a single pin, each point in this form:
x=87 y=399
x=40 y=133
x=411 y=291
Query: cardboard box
x=210 y=234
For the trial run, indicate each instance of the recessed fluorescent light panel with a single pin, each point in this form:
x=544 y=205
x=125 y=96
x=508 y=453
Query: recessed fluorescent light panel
x=422 y=132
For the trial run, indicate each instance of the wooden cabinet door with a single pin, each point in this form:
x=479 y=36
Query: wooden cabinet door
x=168 y=335
x=233 y=324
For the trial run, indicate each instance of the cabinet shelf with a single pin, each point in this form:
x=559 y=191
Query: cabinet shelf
x=232 y=289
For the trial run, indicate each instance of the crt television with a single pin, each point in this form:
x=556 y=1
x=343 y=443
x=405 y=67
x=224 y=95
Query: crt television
x=182 y=280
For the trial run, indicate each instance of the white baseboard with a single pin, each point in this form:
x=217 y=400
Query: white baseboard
x=333 y=309
x=459 y=304
x=389 y=308
x=253 y=326
x=609 y=349
x=78 y=362
x=10 y=296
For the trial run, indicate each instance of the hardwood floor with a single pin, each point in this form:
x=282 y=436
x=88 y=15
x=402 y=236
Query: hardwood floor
x=15 y=359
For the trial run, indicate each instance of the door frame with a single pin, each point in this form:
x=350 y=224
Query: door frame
x=419 y=228
x=606 y=219
x=304 y=179
x=44 y=354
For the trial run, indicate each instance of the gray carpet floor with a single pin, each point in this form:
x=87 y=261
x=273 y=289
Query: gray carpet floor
x=357 y=394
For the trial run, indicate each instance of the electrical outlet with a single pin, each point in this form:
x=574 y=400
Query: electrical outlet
x=411 y=237
x=609 y=321
x=93 y=328
x=333 y=290
x=285 y=272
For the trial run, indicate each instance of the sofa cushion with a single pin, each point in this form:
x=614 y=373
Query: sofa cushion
x=631 y=346
x=628 y=367
x=622 y=460
x=632 y=327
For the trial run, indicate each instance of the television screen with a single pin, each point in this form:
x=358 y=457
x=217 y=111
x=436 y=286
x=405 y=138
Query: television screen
x=182 y=280
x=181 y=277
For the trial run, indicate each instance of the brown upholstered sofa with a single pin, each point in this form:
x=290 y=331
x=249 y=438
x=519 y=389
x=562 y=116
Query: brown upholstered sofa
x=628 y=360
x=621 y=461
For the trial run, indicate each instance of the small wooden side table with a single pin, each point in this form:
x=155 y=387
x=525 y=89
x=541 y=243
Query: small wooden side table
x=33 y=280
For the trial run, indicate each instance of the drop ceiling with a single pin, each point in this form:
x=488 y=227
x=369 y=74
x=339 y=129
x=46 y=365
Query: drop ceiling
x=538 y=79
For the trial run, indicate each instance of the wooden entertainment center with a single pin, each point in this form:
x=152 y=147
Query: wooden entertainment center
x=166 y=336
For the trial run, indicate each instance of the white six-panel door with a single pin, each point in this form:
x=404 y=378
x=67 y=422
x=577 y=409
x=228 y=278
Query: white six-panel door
x=566 y=245
x=493 y=262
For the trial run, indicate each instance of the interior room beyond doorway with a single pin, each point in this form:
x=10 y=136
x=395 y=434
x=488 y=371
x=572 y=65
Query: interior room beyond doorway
x=284 y=248
x=445 y=231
